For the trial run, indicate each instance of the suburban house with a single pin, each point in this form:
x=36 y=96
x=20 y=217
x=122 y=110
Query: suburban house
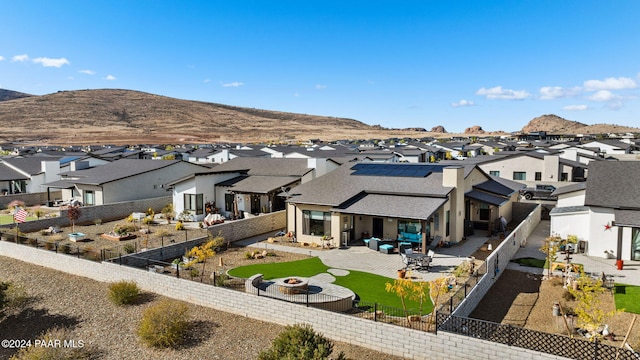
x=533 y=166
x=604 y=213
x=400 y=201
x=611 y=146
x=27 y=175
x=120 y=180
x=244 y=186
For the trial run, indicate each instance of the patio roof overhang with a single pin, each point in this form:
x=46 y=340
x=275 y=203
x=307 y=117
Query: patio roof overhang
x=627 y=218
x=394 y=206
x=60 y=184
x=258 y=184
x=487 y=198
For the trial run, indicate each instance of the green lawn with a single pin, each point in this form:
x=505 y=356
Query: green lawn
x=8 y=219
x=369 y=287
x=627 y=297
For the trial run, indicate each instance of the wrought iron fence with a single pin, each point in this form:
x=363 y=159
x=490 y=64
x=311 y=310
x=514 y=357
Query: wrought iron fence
x=559 y=345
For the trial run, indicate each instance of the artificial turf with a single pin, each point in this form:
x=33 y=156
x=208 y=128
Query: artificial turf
x=627 y=297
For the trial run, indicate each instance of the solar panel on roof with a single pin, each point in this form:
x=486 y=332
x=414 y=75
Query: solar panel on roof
x=397 y=170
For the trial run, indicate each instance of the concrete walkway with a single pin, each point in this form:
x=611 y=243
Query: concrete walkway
x=361 y=258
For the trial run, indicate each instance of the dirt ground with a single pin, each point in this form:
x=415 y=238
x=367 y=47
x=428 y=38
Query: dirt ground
x=526 y=300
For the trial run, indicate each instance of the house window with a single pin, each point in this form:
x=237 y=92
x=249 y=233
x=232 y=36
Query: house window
x=194 y=203
x=89 y=197
x=494 y=173
x=485 y=212
x=446 y=223
x=519 y=175
x=316 y=223
x=538 y=176
x=409 y=226
x=436 y=222
x=564 y=177
x=228 y=202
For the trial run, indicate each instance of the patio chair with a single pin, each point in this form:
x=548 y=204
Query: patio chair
x=406 y=261
x=434 y=243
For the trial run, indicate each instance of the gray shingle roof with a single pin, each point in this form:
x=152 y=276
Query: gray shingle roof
x=30 y=165
x=266 y=166
x=613 y=184
x=568 y=209
x=117 y=170
x=627 y=217
x=569 y=188
x=408 y=207
x=338 y=186
x=258 y=184
x=484 y=197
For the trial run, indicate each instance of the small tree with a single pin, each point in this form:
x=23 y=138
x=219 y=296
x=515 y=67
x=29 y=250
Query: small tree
x=437 y=287
x=201 y=253
x=73 y=213
x=404 y=289
x=299 y=342
x=168 y=212
x=591 y=314
x=550 y=248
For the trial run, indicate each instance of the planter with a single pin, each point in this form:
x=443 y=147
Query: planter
x=76 y=236
x=115 y=237
x=402 y=273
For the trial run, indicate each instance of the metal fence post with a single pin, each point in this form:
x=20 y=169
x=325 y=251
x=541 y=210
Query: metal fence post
x=375 y=311
x=307 y=297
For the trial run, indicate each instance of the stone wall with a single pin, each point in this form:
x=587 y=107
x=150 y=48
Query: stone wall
x=382 y=337
x=88 y=214
x=498 y=261
x=31 y=199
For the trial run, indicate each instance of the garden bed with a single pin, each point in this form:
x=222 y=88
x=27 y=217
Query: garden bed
x=116 y=237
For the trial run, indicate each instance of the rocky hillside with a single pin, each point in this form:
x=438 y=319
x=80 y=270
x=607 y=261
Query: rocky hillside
x=125 y=116
x=554 y=124
x=11 y=95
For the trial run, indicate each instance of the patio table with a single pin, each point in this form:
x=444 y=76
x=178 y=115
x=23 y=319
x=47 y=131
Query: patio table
x=421 y=259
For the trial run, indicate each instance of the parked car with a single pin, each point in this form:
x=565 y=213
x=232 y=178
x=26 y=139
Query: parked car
x=539 y=192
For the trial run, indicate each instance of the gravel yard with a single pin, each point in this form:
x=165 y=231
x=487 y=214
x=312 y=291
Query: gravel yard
x=59 y=299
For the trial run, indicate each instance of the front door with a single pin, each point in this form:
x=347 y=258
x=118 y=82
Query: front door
x=378 y=228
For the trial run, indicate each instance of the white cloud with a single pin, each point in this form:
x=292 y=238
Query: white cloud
x=48 y=62
x=610 y=84
x=110 y=77
x=498 y=93
x=320 y=86
x=462 y=102
x=20 y=58
x=233 y=84
x=575 y=107
x=1 y=57
x=615 y=105
x=88 y=72
x=206 y=81
x=296 y=95
x=555 y=92
x=603 y=95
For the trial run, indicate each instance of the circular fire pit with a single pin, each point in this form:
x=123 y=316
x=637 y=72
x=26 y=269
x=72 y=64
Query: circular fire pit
x=293 y=285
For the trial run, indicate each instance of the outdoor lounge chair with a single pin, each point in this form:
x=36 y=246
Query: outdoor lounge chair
x=434 y=243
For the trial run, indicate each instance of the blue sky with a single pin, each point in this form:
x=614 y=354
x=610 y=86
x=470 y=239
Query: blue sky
x=497 y=64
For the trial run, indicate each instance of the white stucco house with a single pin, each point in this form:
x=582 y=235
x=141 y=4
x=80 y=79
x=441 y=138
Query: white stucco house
x=605 y=214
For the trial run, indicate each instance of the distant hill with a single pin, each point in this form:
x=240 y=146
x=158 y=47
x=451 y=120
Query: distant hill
x=554 y=124
x=11 y=95
x=115 y=116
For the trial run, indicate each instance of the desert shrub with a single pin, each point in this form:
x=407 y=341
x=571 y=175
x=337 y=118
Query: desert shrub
x=162 y=233
x=568 y=296
x=165 y=324
x=123 y=229
x=221 y=279
x=97 y=221
x=299 y=342
x=179 y=225
x=48 y=245
x=91 y=254
x=147 y=220
x=32 y=242
x=248 y=255
x=12 y=296
x=65 y=249
x=129 y=248
x=193 y=273
x=123 y=292
x=80 y=351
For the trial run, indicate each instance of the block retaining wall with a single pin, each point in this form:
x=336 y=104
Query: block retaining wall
x=498 y=261
x=382 y=337
x=88 y=214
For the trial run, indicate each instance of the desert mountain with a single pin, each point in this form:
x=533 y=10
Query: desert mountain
x=125 y=116
x=554 y=124
x=10 y=95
